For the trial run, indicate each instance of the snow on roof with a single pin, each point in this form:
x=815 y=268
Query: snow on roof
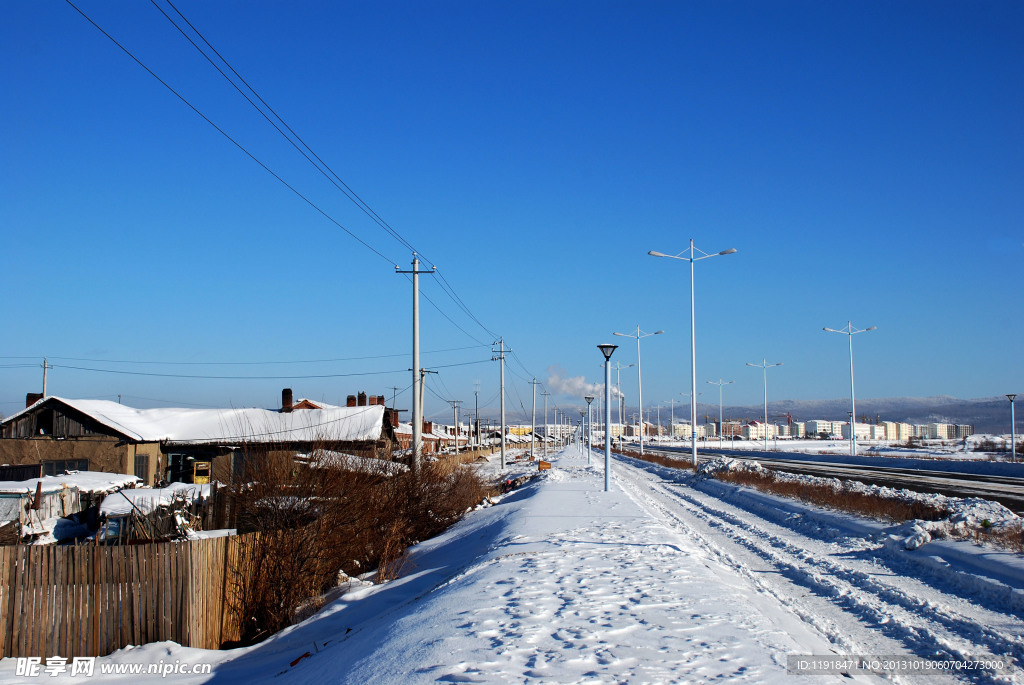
x=85 y=481
x=148 y=499
x=232 y=425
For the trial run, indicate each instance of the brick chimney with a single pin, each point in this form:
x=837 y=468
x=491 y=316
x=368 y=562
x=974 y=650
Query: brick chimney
x=32 y=397
x=350 y=401
x=362 y=399
x=286 y=400
x=373 y=400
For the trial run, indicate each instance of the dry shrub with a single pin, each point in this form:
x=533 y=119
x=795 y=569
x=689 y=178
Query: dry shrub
x=672 y=462
x=823 y=495
x=319 y=516
x=1008 y=537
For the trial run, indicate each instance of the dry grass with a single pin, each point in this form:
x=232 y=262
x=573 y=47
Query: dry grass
x=823 y=495
x=828 y=496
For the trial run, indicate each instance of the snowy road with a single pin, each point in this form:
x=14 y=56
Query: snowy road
x=861 y=593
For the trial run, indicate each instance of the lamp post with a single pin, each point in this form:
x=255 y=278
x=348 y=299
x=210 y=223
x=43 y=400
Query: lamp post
x=590 y=428
x=1013 y=430
x=850 y=331
x=693 y=334
x=639 y=377
x=765 y=365
x=606 y=350
x=720 y=383
x=693 y=413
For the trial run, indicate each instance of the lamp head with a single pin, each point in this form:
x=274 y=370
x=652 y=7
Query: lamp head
x=657 y=332
x=871 y=328
x=607 y=349
x=1011 y=396
x=589 y=399
x=655 y=253
x=622 y=334
x=731 y=250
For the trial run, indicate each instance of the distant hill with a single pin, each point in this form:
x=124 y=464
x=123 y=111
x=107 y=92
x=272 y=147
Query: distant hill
x=986 y=414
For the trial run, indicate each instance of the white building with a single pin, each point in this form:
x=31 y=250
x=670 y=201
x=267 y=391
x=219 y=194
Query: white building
x=863 y=431
x=830 y=428
x=759 y=431
x=797 y=429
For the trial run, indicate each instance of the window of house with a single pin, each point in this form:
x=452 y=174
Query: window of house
x=142 y=467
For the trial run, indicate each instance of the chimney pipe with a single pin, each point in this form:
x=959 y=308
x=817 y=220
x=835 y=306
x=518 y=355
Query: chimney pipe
x=286 y=400
x=362 y=399
x=32 y=397
x=350 y=401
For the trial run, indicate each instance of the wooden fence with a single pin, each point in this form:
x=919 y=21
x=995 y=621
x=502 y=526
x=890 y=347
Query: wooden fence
x=90 y=600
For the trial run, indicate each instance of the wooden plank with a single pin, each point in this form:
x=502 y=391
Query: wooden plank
x=81 y=601
x=31 y=618
x=168 y=590
x=5 y=597
x=139 y=568
x=46 y=615
x=95 y=605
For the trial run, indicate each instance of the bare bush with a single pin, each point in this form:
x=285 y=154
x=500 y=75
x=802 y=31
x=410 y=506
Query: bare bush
x=823 y=495
x=319 y=515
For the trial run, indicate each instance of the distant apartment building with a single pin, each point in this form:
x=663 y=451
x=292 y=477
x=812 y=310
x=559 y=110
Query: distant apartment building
x=897 y=432
x=818 y=427
x=863 y=431
x=757 y=430
x=797 y=429
x=682 y=429
x=962 y=431
x=732 y=429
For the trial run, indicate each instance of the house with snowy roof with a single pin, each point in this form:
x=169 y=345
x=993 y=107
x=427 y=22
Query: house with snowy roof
x=168 y=444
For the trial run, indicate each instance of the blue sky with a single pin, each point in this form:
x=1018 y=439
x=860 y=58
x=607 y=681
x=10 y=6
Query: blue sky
x=865 y=158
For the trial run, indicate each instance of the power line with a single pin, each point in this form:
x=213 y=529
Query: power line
x=332 y=176
x=446 y=287
x=232 y=140
x=249 y=378
x=257 y=363
x=307 y=152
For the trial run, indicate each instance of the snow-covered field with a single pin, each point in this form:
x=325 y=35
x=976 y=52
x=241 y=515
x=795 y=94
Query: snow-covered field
x=667 y=578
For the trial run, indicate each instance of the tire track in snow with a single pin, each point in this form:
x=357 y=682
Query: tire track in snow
x=924 y=625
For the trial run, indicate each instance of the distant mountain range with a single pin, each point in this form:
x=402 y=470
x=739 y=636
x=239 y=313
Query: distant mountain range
x=986 y=414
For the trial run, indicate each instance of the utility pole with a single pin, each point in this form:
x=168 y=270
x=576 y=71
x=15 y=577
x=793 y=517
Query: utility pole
x=533 y=428
x=547 y=433
x=455 y=418
x=45 y=367
x=417 y=376
x=476 y=395
x=501 y=392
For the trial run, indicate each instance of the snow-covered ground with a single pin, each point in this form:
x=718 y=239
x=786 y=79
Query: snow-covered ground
x=667 y=578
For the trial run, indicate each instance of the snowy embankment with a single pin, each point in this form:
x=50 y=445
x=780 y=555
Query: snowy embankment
x=666 y=578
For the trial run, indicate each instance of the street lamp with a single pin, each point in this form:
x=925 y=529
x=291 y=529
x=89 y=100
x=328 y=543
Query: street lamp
x=850 y=331
x=1013 y=431
x=590 y=427
x=640 y=386
x=720 y=383
x=606 y=350
x=693 y=334
x=765 y=365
